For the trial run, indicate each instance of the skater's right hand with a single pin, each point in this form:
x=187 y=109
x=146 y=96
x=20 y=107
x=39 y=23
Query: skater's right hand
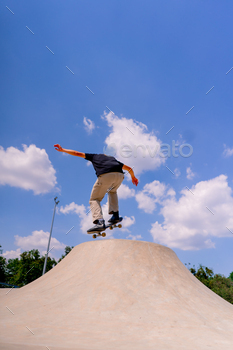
x=58 y=148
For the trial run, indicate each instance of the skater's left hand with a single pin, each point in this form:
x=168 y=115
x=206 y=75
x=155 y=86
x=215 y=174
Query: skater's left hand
x=134 y=180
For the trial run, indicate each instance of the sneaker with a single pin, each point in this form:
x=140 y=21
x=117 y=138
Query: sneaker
x=115 y=218
x=100 y=226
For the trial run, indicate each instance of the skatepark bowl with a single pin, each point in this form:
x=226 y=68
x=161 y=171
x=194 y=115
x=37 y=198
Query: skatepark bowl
x=116 y=294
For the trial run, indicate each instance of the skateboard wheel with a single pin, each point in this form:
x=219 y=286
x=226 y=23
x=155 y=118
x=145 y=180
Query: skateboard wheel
x=94 y=236
x=103 y=234
x=110 y=228
x=120 y=226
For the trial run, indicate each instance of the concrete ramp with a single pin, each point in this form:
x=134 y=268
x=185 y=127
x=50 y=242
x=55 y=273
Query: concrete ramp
x=116 y=295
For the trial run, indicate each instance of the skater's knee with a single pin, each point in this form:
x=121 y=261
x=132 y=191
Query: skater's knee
x=95 y=201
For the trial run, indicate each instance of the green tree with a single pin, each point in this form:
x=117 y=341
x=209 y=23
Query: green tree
x=204 y=274
x=231 y=276
x=28 y=268
x=12 y=270
x=3 y=276
x=223 y=287
x=67 y=250
x=217 y=283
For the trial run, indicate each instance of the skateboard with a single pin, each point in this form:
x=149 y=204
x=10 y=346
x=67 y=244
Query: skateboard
x=95 y=234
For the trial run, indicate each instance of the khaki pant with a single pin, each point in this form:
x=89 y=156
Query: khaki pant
x=105 y=183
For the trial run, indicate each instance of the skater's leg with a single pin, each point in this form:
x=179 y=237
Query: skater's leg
x=98 y=192
x=113 y=206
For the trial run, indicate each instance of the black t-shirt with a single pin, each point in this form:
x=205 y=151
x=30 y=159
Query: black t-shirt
x=104 y=164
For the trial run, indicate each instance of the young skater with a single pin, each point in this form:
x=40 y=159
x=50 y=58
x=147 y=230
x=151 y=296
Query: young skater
x=110 y=175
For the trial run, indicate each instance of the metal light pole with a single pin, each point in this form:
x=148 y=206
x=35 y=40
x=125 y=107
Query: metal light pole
x=46 y=257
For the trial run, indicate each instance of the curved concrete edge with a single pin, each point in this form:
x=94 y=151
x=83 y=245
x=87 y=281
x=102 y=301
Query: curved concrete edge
x=118 y=294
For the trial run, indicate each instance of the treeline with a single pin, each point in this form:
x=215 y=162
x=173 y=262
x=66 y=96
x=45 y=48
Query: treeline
x=219 y=284
x=21 y=271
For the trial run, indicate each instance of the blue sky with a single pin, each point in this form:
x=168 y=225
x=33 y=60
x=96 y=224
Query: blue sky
x=158 y=66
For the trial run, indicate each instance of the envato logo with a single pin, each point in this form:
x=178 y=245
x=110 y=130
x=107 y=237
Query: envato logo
x=163 y=150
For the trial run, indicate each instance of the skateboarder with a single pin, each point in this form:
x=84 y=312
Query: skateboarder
x=110 y=175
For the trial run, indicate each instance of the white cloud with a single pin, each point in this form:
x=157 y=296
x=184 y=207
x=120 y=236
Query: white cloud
x=145 y=202
x=151 y=194
x=136 y=237
x=155 y=188
x=188 y=224
x=127 y=222
x=83 y=213
x=73 y=208
x=12 y=254
x=89 y=125
x=228 y=152
x=177 y=172
x=133 y=144
x=38 y=240
x=125 y=192
x=190 y=174
x=29 y=169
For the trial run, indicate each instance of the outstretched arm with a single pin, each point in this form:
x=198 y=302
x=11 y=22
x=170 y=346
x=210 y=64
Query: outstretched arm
x=69 y=151
x=130 y=170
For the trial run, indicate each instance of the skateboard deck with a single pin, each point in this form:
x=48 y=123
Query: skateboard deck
x=95 y=234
